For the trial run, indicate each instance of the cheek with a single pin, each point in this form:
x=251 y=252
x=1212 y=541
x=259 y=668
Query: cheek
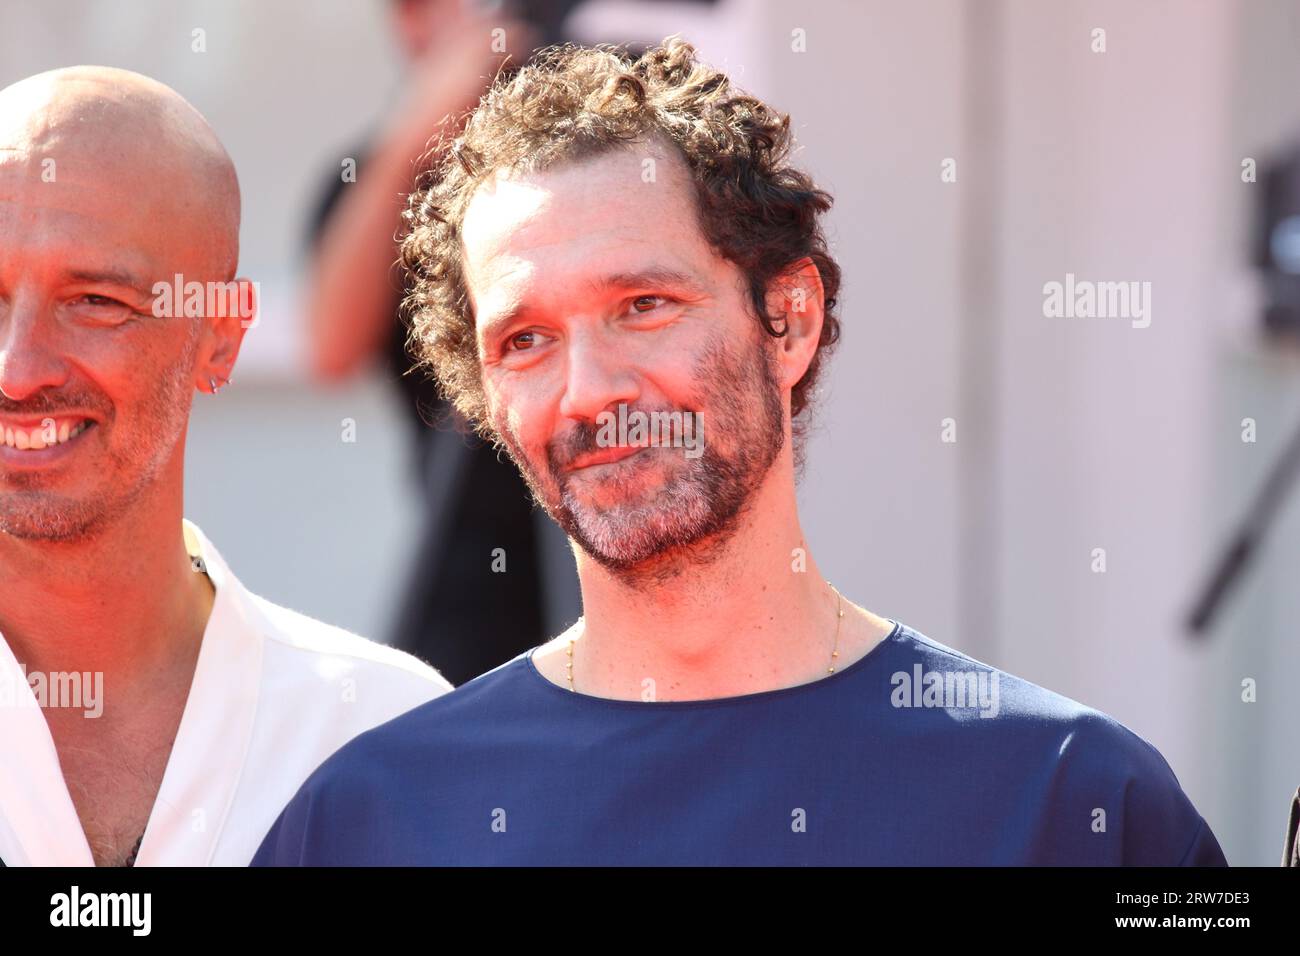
x=134 y=367
x=525 y=430
x=681 y=382
x=114 y=363
x=518 y=405
x=685 y=363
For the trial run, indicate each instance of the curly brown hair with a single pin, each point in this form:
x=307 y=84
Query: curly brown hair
x=572 y=102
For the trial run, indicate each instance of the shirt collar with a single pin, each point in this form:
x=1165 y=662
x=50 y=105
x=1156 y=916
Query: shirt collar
x=203 y=771
x=38 y=820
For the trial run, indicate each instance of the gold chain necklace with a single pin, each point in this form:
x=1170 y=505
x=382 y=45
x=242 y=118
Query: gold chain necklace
x=835 y=651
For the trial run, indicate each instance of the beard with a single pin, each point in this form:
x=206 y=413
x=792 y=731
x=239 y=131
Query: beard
x=31 y=510
x=645 y=531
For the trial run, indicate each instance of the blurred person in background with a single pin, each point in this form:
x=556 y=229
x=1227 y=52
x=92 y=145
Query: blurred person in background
x=460 y=611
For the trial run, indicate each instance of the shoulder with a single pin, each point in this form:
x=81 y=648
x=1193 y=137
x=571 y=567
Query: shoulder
x=1083 y=761
x=319 y=645
x=451 y=722
x=295 y=646
x=428 y=732
x=367 y=786
x=330 y=191
x=1013 y=700
x=315 y=650
x=934 y=675
x=975 y=694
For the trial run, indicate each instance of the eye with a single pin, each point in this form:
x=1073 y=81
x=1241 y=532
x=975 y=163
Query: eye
x=646 y=298
x=101 y=301
x=525 y=340
x=102 y=309
x=521 y=341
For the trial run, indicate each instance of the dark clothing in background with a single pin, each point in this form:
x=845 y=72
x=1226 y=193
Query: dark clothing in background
x=1291 y=851
x=457 y=613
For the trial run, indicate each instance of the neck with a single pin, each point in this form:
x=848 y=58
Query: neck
x=745 y=621
x=125 y=602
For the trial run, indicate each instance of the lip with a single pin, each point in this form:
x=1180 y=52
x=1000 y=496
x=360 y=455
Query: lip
x=13 y=459
x=605 y=456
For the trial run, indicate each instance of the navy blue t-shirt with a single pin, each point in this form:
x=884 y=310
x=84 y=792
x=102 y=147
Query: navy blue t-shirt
x=915 y=754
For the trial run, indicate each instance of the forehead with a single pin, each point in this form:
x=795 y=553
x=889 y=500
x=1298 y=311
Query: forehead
x=57 y=203
x=76 y=195
x=557 y=229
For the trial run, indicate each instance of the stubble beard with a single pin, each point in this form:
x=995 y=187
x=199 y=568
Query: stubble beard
x=650 y=536
x=30 y=512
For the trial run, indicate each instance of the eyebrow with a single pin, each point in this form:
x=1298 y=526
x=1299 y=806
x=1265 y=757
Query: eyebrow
x=118 y=277
x=650 y=278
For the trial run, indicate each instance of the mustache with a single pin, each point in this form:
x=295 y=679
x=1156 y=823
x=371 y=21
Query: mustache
x=581 y=439
x=52 y=403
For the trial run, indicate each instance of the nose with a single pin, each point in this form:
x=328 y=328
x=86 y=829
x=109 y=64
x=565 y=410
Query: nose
x=597 y=377
x=29 y=359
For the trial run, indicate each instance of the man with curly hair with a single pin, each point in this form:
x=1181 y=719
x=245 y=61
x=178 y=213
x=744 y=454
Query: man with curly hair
x=611 y=241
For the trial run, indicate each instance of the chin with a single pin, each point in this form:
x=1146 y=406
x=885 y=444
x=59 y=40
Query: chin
x=51 y=518
x=52 y=530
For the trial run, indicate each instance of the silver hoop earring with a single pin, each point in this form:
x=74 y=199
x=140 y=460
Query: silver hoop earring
x=212 y=383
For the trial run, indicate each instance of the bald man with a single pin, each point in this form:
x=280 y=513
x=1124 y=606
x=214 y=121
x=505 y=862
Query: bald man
x=152 y=710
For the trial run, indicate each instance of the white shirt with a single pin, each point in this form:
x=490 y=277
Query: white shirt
x=274 y=694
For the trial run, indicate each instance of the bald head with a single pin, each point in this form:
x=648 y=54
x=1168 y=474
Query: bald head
x=124 y=140
x=113 y=190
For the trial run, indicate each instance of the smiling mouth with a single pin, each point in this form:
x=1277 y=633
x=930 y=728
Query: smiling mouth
x=42 y=437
